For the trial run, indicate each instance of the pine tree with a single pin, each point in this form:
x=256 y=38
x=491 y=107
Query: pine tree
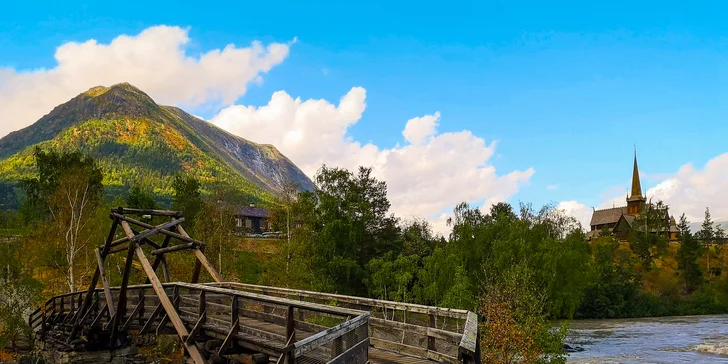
x=688 y=255
x=707 y=234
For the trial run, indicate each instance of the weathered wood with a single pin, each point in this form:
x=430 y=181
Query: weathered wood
x=152 y=317
x=314 y=341
x=143 y=235
x=105 y=281
x=225 y=347
x=121 y=305
x=175 y=248
x=369 y=303
x=468 y=349
x=126 y=210
x=197 y=328
x=169 y=307
x=201 y=259
x=149 y=226
x=104 y=309
x=134 y=312
x=348 y=356
x=161 y=259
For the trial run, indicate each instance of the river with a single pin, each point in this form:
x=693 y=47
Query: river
x=685 y=339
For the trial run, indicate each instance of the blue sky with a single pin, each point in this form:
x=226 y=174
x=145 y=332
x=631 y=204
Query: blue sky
x=566 y=88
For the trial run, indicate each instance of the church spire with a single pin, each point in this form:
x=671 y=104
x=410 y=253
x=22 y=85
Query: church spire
x=636 y=186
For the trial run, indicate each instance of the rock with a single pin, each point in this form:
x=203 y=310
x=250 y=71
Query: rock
x=572 y=349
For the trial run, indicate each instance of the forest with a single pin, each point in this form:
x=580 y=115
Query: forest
x=521 y=268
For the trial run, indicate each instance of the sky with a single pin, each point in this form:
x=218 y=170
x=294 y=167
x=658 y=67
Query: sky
x=481 y=102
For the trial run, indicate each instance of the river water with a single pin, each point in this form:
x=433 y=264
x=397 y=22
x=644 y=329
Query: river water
x=685 y=339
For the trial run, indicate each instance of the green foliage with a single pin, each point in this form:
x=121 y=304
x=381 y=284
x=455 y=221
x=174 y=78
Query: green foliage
x=140 y=199
x=53 y=168
x=688 y=254
x=19 y=292
x=648 y=237
x=187 y=196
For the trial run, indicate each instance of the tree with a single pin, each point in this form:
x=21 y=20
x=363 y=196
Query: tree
x=187 y=196
x=707 y=236
x=354 y=224
x=140 y=199
x=69 y=189
x=648 y=237
x=515 y=328
x=687 y=256
x=19 y=291
x=215 y=226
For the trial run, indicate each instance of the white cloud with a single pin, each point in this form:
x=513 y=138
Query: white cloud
x=426 y=176
x=552 y=187
x=581 y=212
x=153 y=60
x=688 y=191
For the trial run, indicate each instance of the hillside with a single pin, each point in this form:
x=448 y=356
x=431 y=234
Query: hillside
x=137 y=141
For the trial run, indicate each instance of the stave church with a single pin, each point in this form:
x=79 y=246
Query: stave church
x=621 y=220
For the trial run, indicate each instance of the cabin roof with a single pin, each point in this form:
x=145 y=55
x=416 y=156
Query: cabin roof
x=253 y=211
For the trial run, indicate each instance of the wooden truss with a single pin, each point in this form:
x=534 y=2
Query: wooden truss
x=136 y=234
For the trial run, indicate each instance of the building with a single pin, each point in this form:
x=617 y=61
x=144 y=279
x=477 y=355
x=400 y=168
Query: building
x=252 y=219
x=621 y=220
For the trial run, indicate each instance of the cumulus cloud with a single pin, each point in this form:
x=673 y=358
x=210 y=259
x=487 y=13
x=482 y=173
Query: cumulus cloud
x=426 y=176
x=689 y=190
x=153 y=60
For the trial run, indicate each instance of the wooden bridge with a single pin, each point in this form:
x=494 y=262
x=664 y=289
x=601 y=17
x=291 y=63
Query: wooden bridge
x=219 y=321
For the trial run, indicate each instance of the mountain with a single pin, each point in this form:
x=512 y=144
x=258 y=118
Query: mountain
x=136 y=141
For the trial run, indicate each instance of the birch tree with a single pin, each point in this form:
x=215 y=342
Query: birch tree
x=65 y=196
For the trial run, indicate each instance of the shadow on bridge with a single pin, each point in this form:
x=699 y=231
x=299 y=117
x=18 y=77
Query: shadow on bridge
x=216 y=321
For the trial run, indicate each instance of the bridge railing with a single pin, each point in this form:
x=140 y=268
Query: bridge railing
x=441 y=334
x=287 y=330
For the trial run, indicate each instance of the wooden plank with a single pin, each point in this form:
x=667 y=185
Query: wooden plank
x=169 y=307
x=348 y=356
x=316 y=307
x=350 y=300
x=469 y=343
x=314 y=341
x=413 y=351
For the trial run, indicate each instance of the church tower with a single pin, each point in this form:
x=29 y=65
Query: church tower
x=636 y=202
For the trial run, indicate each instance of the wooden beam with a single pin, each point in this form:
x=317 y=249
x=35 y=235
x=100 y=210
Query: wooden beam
x=175 y=248
x=149 y=226
x=97 y=319
x=121 y=306
x=92 y=286
x=152 y=317
x=197 y=328
x=105 y=281
x=126 y=210
x=202 y=259
x=143 y=235
x=160 y=259
x=134 y=312
x=169 y=307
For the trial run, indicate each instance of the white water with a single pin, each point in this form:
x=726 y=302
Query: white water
x=685 y=339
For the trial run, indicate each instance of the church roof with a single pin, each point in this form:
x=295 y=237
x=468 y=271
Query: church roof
x=607 y=216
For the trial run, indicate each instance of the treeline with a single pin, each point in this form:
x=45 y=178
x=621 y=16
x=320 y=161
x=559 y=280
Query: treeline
x=519 y=267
